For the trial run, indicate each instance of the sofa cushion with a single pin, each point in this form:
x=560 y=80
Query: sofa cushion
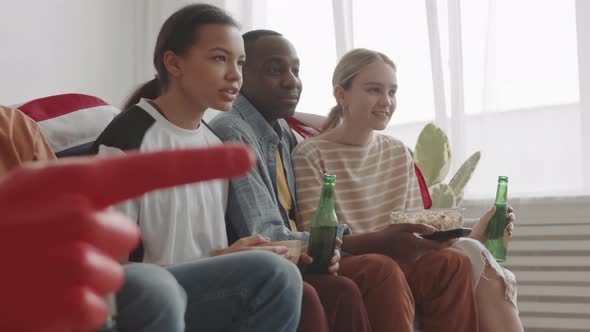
x=70 y=122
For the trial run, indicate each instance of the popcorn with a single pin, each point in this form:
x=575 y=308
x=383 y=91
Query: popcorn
x=441 y=219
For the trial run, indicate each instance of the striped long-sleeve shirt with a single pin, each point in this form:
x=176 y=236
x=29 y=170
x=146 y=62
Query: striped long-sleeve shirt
x=371 y=180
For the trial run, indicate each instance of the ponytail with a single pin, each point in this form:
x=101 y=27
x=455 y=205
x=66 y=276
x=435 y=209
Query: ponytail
x=149 y=90
x=334 y=118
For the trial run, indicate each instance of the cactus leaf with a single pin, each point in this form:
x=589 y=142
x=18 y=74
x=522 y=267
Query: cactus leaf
x=460 y=179
x=442 y=196
x=458 y=199
x=433 y=154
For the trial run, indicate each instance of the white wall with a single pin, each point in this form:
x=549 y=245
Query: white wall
x=59 y=46
x=98 y=47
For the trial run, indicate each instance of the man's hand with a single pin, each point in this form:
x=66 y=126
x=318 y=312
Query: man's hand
x=479 y=230
x=405 y=245
x=334 y=262
x=58 y=244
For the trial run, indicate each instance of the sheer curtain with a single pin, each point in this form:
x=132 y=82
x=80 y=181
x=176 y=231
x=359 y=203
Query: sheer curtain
x=501 y=77
x=510 y=78
x=520 y=88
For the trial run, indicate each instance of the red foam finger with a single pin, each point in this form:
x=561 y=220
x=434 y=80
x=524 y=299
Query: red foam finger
x=84 y=265
x=25 y=232
x=110 y=180
x=50 y=308
x=82 y=309
x=59 y=288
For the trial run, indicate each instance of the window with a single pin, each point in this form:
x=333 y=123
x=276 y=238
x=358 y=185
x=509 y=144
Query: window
x=398 y=28
x=519 y=54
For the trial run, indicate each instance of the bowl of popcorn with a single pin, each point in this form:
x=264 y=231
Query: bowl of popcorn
x=441 y=219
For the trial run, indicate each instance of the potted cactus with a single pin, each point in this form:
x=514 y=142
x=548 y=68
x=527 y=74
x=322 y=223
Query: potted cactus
x=432 y=154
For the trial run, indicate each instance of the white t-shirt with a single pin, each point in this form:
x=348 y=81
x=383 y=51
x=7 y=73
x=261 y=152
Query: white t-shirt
x=180 y=224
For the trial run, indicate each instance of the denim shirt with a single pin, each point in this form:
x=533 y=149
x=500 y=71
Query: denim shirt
x=253 y=205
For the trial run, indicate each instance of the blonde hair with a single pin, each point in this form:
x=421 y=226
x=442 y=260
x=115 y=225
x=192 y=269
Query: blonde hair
x=349 y=66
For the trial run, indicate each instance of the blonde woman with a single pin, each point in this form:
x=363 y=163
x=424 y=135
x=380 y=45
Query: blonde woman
x=376 y=176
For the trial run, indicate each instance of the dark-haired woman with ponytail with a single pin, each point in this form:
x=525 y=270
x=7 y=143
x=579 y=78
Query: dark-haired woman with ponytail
x=198 y=59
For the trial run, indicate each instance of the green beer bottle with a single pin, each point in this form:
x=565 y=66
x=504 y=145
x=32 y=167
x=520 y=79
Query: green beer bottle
x=323 y=229
x=497 y=239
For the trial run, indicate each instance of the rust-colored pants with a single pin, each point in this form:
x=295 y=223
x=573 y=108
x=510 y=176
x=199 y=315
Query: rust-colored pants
x=313 y=315
x=439 y=283
x=332 y=303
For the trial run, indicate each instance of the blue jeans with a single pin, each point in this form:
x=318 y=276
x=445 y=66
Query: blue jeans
x=247 y=291
x=151 y=300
